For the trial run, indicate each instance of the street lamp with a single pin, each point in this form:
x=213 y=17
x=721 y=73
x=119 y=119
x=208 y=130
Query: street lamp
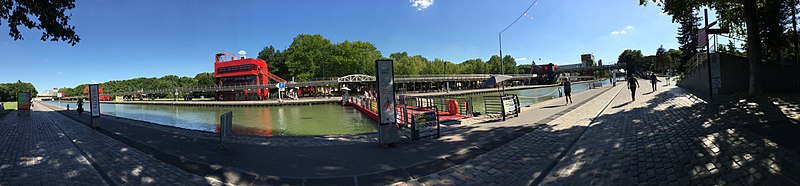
x=500 y=38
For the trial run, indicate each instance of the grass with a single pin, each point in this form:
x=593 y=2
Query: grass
x=8 y=106
x=11 y=105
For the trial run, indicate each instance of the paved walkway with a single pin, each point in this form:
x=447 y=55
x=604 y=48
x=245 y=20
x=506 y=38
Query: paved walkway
x=364 y=163
x=665 y=137
x=47 y=148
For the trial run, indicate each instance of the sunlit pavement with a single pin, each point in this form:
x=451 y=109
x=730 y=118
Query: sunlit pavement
x=664 y=137
x=46 y=148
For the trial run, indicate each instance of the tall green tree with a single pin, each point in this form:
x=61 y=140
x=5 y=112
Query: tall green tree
x=663 y=60
x=494 y=64
x=762 y=21
x=308 y=56
x=204 y=79
x=474 y=66
x=353 y=57
x=276 y=63
x=510 y=65
x=49 y=16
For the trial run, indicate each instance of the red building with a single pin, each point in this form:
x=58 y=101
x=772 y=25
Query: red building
x=230 y=71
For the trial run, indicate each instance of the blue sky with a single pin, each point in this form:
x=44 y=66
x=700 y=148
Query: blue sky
x=153 y=38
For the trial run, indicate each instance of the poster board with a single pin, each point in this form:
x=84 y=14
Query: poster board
x=387 y=120
x=94 y=100
x=24 y=103
x=509 y=106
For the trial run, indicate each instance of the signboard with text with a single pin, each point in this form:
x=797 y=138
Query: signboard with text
x=386 y=92
x=387 y=128
x=24 y=101
x=94 y=98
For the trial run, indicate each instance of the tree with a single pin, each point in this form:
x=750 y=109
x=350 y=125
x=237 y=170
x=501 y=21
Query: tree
x=510 y=65
x=50 y=18
x=630 y=56
x=276 y=64
x=353 y=57
x=762 y=21
x=494 y=65
x=474 y=66
x=9 y=91
x=308 y=56
x=204 y=79
x=663 y=61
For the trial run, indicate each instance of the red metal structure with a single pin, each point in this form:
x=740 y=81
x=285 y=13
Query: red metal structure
x=99 y=91
x=230 y=71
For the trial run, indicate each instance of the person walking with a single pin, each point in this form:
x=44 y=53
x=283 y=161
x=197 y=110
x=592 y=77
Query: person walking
x=633 y=83
x=568 y=91
x=653 y=81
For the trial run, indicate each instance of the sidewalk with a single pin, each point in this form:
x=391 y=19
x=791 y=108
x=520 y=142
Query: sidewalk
x=365 y=163
x=664 y=137
x=34 y=151
x=47 y=148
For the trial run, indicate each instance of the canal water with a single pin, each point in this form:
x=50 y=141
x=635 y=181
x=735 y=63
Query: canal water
x=529 y=96
x=294 y=120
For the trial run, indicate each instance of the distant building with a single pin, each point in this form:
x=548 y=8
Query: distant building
x=48 y=93
x=587 y=60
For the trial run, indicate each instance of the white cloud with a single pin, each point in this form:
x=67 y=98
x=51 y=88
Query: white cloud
x=521 y=59
x=622 y=31
x=421 y=4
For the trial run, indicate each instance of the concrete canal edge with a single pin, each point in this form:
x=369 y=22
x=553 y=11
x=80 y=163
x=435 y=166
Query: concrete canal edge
x=409 y=172
x=330 y=100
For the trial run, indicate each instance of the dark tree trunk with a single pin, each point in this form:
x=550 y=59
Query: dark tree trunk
x=753 y=46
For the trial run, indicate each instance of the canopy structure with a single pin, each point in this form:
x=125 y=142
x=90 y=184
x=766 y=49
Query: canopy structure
x=495 y=79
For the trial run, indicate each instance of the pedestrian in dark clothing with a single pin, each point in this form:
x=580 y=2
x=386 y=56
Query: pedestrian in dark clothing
x=653 y=80
x=633 y=83
x=568 y=91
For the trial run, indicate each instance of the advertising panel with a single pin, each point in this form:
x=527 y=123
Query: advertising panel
x=24 y=101
x=94 y=98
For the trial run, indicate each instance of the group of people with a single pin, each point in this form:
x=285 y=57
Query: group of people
x=633 y=83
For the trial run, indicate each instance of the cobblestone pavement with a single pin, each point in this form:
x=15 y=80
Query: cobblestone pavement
x=82 y=152
x=521 y=160
x=664 y=137
x=36 y=152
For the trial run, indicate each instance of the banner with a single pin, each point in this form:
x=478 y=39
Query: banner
x=94 y=98
x=24 y=101
x=386 y=92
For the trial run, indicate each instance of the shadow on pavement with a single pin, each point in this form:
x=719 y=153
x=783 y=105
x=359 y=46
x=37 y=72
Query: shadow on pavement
x=743 y=141
x=312 y=165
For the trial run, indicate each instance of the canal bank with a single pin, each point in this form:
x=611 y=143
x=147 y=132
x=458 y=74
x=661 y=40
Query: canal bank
x=298 y=119
x=362 y=163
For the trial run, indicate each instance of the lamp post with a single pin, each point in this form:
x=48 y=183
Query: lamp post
x=500 y=38
x=502 y=63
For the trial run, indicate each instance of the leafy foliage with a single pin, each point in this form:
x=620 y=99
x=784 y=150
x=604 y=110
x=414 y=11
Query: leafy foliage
x=50 y=18
x=8 y=91
x=313 y=56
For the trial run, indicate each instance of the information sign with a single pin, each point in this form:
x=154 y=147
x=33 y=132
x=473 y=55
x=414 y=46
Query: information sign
x=94 y=98
x=387 y=128
x=24 y=101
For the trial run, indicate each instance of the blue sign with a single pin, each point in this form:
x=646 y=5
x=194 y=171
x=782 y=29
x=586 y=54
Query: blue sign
x=281 y=85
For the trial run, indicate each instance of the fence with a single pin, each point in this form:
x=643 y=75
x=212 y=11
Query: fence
x=441 y=104
x=419 y=122
x=504 y=105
